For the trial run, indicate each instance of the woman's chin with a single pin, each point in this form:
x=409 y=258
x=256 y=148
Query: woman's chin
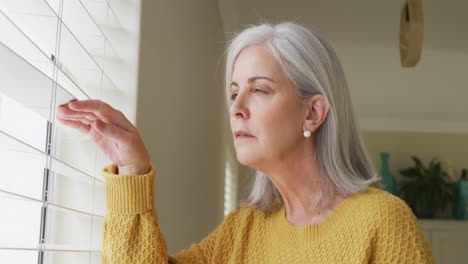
x=247 y=159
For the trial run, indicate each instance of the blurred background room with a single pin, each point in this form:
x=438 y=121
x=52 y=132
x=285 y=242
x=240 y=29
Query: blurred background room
x=161 y=64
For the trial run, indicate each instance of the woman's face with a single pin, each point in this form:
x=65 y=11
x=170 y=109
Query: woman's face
x=264 y=104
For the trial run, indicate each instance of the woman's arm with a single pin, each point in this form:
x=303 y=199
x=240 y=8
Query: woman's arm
x=131 y=228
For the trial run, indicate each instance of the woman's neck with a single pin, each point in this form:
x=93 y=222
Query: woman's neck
x=298 y=180
x=304 y=218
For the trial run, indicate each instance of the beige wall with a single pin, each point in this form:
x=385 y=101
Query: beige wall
x=179 y=115
x=452 y=148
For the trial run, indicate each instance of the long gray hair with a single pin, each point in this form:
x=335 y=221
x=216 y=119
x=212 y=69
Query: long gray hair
x=313 y=68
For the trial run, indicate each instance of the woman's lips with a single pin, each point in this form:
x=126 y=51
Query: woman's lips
x=242 y=134
x=244 y=137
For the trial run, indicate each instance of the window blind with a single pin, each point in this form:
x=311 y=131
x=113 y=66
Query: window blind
x=52 y=197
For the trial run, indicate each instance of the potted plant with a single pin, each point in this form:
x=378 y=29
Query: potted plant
x=426 y=190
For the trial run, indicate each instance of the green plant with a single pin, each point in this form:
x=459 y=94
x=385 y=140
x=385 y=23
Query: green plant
x=426 y=190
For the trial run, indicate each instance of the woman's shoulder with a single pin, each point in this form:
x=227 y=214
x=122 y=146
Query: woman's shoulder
x=244 y=213
x=384 y=200
x=380 y=205
x=247 y=215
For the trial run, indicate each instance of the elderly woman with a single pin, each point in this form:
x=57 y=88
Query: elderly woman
x=315 y=198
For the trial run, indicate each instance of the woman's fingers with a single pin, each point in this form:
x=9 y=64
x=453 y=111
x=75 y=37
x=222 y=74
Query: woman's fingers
x=111 y=131
x=80 y=119
x=82 y=127
x=104 y=129
x=95 y=115
x=66 y=113
x=104 y=112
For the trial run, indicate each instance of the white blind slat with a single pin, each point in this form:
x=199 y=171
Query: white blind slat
x=13 y=83
x=10 y=116
x=6 y=195
x=29 y=183
x=10 y=146
x=48 y=248
x=35 y=19
x=20 y=221
x=14 y=151
x=18 y=256
x=30 y=255
x=73 y=230
x=82 y=56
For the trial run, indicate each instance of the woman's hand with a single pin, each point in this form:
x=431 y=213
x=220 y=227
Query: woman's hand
x=112 y=132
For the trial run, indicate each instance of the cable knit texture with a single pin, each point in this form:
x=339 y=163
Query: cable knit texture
x=371 y=227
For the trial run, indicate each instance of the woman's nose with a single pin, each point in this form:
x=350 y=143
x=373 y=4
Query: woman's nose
x=239 y=108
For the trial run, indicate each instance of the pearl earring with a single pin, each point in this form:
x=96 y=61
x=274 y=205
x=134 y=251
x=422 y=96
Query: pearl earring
x=307 y=133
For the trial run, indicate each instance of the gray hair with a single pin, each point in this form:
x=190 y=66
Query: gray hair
x=313 y=67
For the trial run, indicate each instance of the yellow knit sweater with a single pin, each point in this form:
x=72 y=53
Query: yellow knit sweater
x=372 y=227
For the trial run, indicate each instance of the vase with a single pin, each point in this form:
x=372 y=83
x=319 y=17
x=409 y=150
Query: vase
x=388 y=181
x=460 y=208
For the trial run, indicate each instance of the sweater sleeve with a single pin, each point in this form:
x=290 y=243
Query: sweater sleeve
x=399 y=238
x=131 y=228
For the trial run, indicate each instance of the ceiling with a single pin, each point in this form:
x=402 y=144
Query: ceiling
x=431 y=97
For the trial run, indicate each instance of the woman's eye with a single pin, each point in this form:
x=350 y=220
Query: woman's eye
x=258 y=90
x=233 y=96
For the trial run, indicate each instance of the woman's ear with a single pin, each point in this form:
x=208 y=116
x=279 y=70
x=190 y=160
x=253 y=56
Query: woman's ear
x=316 y=112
